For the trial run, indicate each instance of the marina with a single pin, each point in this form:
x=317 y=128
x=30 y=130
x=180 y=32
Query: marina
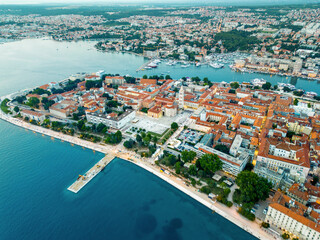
x=82 y=180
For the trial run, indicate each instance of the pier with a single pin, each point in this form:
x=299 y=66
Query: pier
x=144 y=65
x=89 y=175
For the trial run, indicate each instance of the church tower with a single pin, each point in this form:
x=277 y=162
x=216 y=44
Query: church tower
x=181 y=98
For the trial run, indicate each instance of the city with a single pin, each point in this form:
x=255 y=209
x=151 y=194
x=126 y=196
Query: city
x=247 y=150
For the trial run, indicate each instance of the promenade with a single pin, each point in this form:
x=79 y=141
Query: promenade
x=229 y=213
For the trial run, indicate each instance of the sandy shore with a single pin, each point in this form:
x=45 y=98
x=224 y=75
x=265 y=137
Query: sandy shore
x=228 y=213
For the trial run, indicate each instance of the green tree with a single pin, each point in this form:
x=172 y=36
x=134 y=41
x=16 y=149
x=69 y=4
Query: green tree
x=209 y=163
x=16 y=109
x=112 y=104
x=266 y=86
x=155 y=139
x=188 y=156
x=286 y=89
x=252 y=187
x=138 y=138
x=47 y=103
x=234 y=85
x=75 y=116
x=222 y=148
x=81 y=125
x=192 y=170
x=145 y=77
x=177 y=167
x=33 y=102
x=315 y=180
x=172 y=160
x=20 y=99
x=129 y=144
x=174 y=126
x=298 y=93
x=295 y=102
x=101 y=127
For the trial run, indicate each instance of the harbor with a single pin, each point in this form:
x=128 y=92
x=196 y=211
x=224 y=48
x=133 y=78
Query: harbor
x=83 y=180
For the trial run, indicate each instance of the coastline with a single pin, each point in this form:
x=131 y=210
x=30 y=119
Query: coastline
x=228 y=213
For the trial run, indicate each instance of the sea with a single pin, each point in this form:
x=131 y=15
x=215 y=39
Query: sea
x=122 y=202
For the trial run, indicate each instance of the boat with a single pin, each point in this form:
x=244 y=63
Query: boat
x=156 y=61
x=258 y=82
x=152 y=65
x=185 y=65
x=288 y=85
x=216 y=65
x=198 y=64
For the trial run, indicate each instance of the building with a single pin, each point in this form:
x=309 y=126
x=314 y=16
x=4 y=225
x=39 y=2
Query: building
x=112 y=120
x=299 y=193
x=232 y=165
x=181 y=98
x=170 y=110
x=293 y=217
x=282 y=158
x=117 y=80
x=63 y=109
x=32 y=115
x=155 y=112
x=148 y=81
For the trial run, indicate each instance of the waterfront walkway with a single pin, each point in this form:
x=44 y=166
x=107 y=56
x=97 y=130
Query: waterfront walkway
x=84 y=179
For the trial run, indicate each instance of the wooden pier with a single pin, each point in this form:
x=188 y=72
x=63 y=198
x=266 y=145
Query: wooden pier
x=89 y=175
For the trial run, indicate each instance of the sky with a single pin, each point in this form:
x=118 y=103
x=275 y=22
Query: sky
x=198 y=2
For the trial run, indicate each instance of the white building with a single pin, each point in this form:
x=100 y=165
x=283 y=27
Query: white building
x=116 y=122
x=294 y=218
x=32 y=115
x=232 y=165
x=278 y=157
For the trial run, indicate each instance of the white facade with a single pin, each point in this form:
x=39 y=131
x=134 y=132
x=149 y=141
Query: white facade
x=291 y=223
x=116 y=123
x=32 y=115
x=297 y=172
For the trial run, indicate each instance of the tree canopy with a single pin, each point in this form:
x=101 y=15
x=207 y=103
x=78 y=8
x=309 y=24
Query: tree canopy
x=174 y=126
x=210 y=163
x=33 y=102
x=188 y=156
x=266 y=86
x=234 y=85
x=252 y=187
x=222 y=148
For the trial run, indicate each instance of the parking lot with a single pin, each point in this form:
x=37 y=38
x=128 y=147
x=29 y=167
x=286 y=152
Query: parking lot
x=259 y=208
x=190 y=136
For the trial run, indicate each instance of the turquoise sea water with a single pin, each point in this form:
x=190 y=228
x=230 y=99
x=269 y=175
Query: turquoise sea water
x=34 y=62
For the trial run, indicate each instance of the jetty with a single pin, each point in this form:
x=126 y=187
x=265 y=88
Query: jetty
x=89 y=175
x=144 y=65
